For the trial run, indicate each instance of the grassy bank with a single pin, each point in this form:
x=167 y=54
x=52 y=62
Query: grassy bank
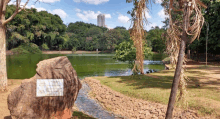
x=203 y=88
x=81 y=115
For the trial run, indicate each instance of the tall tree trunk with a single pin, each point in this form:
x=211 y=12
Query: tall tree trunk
x=175 y=84
x=188 y=52
x=3 y=71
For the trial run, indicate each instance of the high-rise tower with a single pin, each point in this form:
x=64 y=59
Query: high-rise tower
x=101 y=20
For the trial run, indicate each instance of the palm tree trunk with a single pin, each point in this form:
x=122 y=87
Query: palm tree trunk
x=175 y=84
x=3 y=71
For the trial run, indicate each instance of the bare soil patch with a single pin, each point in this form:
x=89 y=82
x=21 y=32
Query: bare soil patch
x=4 y=112
x=131 y=107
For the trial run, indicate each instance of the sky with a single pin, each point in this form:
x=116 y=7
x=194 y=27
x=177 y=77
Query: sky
x=87 y=10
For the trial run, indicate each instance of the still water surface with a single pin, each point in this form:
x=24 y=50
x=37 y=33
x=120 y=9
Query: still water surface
x=24 y=66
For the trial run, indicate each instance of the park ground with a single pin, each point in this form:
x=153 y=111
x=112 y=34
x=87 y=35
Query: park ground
x=203 y=88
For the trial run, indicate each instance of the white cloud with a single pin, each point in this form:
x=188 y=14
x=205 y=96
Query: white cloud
x=32 y=6
x=158 y=1
x=95 y=2
x=108 y=16
x=80 y=15
x=11 y=3
x=77 y=10
x=86 y=15
x=14 y=3
x=40 y=9
x=77 y=0
x=161 y=14
x=59 y=12
x=150 y=25
x=49 y=1
x=123 y=19
x=147 y=15
x=28 y=7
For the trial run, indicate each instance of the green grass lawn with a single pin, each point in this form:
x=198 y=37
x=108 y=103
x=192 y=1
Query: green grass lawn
x=81 y=115
x=205 y=99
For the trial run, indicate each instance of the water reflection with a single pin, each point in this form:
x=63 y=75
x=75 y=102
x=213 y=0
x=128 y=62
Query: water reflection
x=24 y=66
x=90 y=106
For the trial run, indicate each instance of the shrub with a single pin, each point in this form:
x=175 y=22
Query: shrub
x=74 y=49
x=32 y=48
x=60 y=47
x=44 y=46
x=126 y=51
x=19 y=50
x=26 y=48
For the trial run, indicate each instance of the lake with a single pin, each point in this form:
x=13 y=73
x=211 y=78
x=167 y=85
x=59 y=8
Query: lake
x=24 y=66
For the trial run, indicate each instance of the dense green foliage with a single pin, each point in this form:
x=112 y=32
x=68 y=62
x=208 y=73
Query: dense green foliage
x=44 y=47
x=154 y=39
x=126 y=51
x=50 y=33
x=35 y=27
x=26 y=48
x=212 y=17
x=90 y=37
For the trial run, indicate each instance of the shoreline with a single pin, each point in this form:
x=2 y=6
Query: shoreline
x=130 y=107
x=9 y=52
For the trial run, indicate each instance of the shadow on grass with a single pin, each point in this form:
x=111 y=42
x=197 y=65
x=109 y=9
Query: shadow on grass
x=143 y=81
x=165 y=82
x=80 y=115
x=196 y=83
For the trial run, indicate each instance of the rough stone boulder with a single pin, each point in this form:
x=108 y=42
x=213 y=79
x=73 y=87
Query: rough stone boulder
x=23 y=103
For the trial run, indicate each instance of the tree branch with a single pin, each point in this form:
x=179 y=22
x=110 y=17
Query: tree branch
x=18 y=9
x=7 y=1
x=1 y=7
x=201 y=4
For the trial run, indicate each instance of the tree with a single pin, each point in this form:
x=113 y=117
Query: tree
x=211 y=15
x=88 y=35
x=186 y=21
x=120 y=27
x=154 y=39
x=3 y=22
x=137 y=32
x=126 y=51
x=36 y=27
x=113 y=38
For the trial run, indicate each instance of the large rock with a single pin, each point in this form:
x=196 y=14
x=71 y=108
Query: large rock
x=23 y=103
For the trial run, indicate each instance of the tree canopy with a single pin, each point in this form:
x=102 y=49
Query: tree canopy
x=36 y=27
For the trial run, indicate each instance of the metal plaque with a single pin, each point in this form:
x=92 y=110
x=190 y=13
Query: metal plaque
x=49 y=87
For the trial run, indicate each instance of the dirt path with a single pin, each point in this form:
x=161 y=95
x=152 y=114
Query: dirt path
x=4 y=112
x=132 y=107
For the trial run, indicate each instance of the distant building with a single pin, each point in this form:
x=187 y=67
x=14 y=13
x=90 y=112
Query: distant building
x=101 y=20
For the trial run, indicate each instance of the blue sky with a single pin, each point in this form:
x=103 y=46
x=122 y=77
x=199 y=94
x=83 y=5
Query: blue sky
x=87 y=10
